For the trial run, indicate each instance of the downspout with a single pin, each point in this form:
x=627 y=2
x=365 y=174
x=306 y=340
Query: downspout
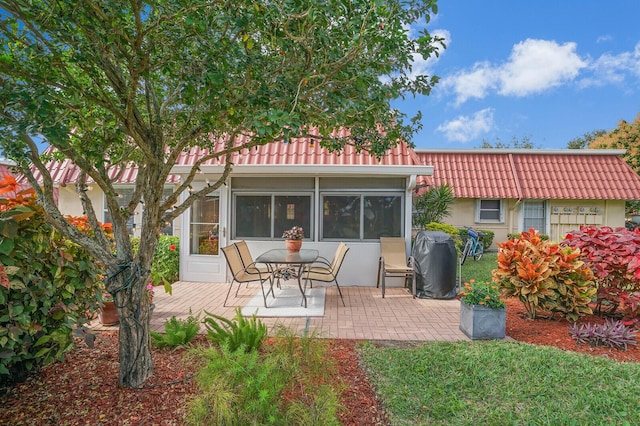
x=516 y=179
x=411 y=185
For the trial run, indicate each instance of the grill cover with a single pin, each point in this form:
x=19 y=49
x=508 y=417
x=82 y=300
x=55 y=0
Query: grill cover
x=436 y=260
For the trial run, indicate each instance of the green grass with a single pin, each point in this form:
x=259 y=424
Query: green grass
x=501 y=383
x=479 y=270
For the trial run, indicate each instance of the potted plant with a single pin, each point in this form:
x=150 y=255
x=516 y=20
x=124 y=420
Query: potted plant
x=293 y=238
x=108 y=314
x=483 y=313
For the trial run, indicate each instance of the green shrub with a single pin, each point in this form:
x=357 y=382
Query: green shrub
x=238 y=333
x=177 y=332
x=238 y=388
x=486 y=239
x=447 y=229
x=48 y=286
x=290 y=382
x=516 y=235
x=165 y=269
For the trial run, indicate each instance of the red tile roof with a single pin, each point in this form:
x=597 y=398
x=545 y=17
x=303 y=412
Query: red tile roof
x=300 y=151
x=304 y=151
x=531 y=174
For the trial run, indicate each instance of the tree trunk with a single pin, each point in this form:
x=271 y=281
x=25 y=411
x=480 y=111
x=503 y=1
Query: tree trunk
x=136 y=365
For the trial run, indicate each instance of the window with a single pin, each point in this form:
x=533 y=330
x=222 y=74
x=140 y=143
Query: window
x=534 y=216
x=254 y=218
x=124 y=198
x=204 y=226
x=361 y=216
x=489 y=211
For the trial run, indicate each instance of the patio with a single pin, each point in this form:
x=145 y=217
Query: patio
x=367 y=316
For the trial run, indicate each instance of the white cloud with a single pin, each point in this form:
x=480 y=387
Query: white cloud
x=464 y=128
x=538 y=65
x=472 y=84
x=533 y=66
x=610 y=68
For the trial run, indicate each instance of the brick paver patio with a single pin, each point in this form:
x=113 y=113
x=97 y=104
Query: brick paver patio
x=366 y=315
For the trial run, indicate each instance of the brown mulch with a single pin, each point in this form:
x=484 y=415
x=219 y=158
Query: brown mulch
x=83 y=390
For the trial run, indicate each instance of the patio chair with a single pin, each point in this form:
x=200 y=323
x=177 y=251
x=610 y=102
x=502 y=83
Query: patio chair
x=325 y=271
x=243 y=274
x=394 y=262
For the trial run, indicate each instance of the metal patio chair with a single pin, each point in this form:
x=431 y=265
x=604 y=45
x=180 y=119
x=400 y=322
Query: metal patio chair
x=243 y=273
x=394 y=262
x=325 y=271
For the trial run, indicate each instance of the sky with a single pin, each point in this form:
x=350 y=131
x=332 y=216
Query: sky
x=546 y=71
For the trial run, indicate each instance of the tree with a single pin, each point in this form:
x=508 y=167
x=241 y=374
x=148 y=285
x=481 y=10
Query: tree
x=582 y=142
x=525 y=143
x=626 y=136
x=112 y=85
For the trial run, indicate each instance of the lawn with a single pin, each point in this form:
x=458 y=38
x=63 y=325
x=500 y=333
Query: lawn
x=501 y=382
x=479 y=270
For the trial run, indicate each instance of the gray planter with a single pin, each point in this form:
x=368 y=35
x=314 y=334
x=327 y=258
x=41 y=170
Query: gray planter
x=480 y=322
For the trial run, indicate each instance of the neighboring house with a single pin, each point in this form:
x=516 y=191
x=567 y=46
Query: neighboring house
x=554 y=191
x=350 y=197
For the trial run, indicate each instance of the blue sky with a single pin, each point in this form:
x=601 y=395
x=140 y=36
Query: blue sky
x=546 y=70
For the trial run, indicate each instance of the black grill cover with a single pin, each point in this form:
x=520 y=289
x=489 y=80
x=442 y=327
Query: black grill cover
x=435 y=257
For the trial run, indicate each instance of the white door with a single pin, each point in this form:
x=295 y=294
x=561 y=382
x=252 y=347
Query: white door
x=203 y=234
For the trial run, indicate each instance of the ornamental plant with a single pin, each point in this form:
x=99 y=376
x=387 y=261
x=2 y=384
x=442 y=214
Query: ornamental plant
x=544 y=276
x=49 y=286
x=614 y=256
x=165 y=269
x=482 y=293
x=612 y=333
x=295 y=233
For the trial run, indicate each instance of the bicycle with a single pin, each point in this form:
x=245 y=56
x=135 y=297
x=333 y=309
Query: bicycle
x=474 y=246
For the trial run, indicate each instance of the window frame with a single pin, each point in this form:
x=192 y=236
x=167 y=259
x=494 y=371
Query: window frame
x=479 y=211
x=362 y=195
x=309 y=233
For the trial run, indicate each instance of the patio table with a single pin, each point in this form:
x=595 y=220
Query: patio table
x=279 y=260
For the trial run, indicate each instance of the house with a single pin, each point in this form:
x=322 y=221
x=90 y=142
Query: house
x=351 y=197
x=552 y=191
x=356 y=198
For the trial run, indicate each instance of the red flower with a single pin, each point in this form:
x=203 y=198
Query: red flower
x=172 y=247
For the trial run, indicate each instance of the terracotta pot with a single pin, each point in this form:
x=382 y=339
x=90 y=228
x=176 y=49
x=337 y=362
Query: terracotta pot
x=108 y=314
x=293 y=245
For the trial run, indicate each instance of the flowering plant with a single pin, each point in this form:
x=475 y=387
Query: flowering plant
x=481 y=293
x=295 y=233
x=150 y=292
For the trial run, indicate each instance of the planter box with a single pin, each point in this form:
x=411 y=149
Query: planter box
x=480 y=322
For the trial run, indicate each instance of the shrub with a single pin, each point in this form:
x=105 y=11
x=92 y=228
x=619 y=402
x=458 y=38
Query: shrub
x=448 y=229
x=165 y=269
x=614 y=256
x=486 y=239
x=177 y=332
x=238 y=388
x=544 y=276
x=48 y=286
x=612 y=333
x=516 y=235
x=290 y=382
x=237 y=333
